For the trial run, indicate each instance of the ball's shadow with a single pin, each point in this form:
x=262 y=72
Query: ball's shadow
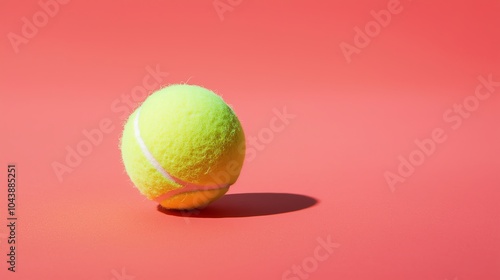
x=248 y=205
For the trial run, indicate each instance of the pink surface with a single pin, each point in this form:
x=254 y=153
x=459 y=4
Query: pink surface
x=312 y=201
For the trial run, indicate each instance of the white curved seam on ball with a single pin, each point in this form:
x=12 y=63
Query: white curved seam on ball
x=186 y=187
x=146 y=151
x=175 y=192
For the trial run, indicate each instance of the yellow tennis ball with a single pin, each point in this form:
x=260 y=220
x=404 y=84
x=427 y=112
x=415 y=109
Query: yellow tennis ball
x=183 y=147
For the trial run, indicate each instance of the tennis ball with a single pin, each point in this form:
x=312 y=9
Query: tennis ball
x=183 y=147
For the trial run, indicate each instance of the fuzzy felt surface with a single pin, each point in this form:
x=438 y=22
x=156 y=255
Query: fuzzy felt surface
x=194 y=135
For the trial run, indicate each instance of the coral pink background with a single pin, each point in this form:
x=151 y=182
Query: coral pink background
x=352 y=121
